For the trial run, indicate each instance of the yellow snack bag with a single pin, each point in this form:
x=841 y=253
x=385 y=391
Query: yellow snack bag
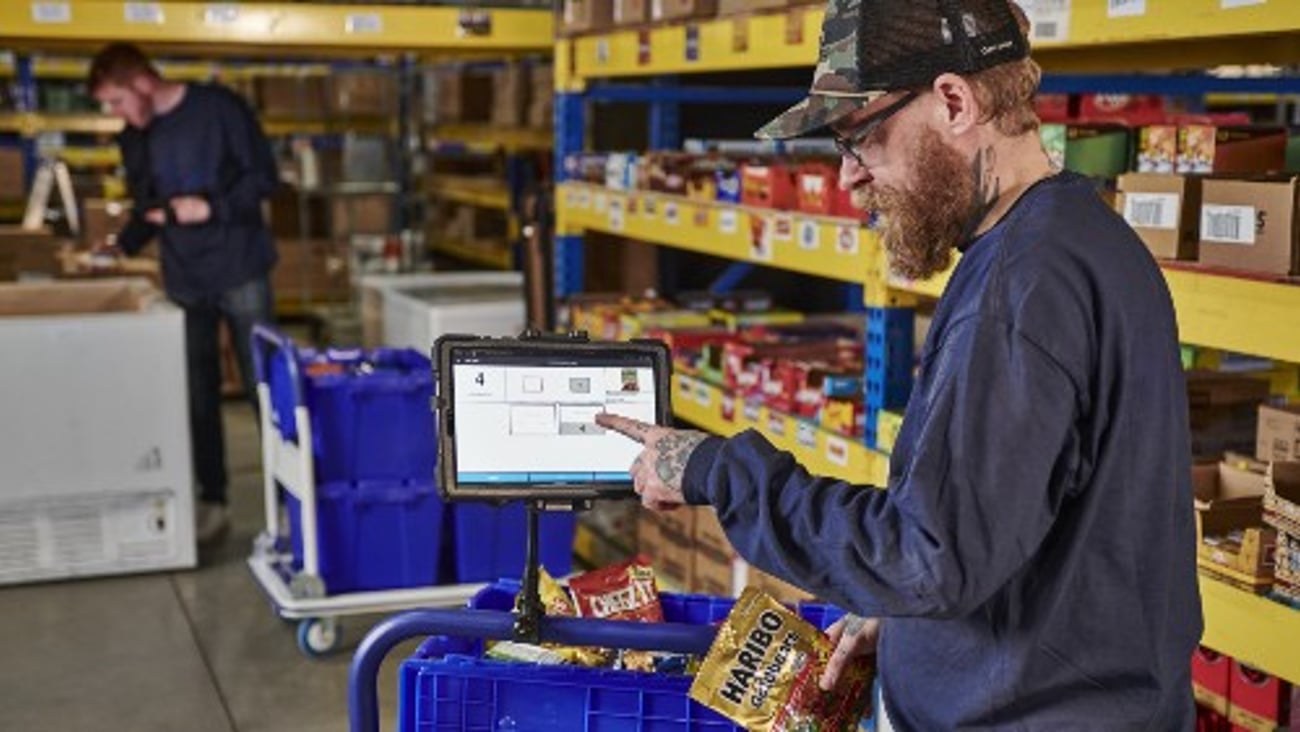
x=558 y=603
x=763 y=672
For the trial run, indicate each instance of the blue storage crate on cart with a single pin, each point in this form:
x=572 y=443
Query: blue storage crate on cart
x=448 y=686
x=371 y=413
x=373 y=535
x=491 y=542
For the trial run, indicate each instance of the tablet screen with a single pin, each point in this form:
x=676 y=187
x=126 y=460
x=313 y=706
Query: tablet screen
x=528 y=419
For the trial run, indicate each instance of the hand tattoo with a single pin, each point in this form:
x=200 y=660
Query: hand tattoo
x=853 y=624
x=674 y=453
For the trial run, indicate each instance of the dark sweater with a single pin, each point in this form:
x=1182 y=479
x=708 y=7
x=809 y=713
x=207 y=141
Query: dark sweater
x=210 y=145
x=1034 y=554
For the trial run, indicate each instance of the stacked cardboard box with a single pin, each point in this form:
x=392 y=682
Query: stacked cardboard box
x=28 y=255
x=369 y=213
x=541 y=96
x=510 y=88
x=362 y=93
x=464 y=96
x=291 y=97
x=102 y=220
x=316 y=269
x=1224 y=412
x=1235 y=545
x=1165 y=211
x=586 y=16
x=13 y=183
x=1251 y=225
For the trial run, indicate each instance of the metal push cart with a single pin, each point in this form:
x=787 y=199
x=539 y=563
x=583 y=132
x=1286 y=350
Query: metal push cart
x=300 y=594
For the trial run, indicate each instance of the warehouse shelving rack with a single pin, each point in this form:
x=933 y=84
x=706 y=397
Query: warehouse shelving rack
x=1076 y=41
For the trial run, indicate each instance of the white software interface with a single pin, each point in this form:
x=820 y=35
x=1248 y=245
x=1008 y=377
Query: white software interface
x=524 y=423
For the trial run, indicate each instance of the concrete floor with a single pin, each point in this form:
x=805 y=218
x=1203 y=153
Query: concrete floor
x=200 y=650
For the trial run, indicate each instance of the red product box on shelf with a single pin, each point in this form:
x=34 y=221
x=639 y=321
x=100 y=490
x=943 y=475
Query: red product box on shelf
x=1257 y=701
x=748 y=366
x=819 y=191
x=847 y=417
x=768 y=186
x=1211 y=676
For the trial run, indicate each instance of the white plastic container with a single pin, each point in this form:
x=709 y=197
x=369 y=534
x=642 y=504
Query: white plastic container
x=412 y=311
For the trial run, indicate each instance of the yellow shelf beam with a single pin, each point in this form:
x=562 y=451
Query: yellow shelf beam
x=511 y=139
x=1252 y=629
x=298 y=27
x=495 y=258
x=1168 y=35
x=30 y=124
x=470 y=190
x=838 y=249
x=90 y=157
x=276 y=127
x=821 y=452
x=1236 y=314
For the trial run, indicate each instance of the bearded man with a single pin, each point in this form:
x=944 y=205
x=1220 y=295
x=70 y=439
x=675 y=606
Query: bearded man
x=1031 y=565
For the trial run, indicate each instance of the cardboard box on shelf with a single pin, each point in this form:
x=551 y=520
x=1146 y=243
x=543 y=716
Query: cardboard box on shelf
x=363 y=93
x=1282 y=502
x=1211 y=677
x=676 y=560
x=682 y=9
x=464 y=96
x=586 y=16
x=780 y=589
x=13 y=181
x=631 y=12
x=768 y=186
x=714 y=573
x=647 y=536
x=742 y=7
x=291 y=97
x=1279 y=433
x=314 y=269
x=1258 y=701
x=541 y=96
x=1250 y=226
x=1231 y=149
x=369 y=213
x=1165 y=211
x=1233 y=541
x=819 y=192
x=681 y=521
x=509 y=96
x=709 y=535
x=30 y=254
x=299 y=214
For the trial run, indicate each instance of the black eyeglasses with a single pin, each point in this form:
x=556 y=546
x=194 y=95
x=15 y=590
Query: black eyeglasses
x=848 y=144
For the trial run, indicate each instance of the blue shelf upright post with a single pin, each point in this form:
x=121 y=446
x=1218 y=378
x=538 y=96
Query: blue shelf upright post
x=665 y=134
x=889 y=337
x=570 y=139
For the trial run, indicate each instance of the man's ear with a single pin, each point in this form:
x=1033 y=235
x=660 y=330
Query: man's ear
x=960 y=109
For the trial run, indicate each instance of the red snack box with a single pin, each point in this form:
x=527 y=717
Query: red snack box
x=819 y=191
x=768 y=186
x=1257 y=701
x=1211 y=674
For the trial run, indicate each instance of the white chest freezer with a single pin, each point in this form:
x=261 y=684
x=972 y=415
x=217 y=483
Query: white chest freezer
x=95 y=472
x=412 y=311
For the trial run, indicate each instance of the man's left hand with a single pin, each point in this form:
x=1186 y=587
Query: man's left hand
x=191 y=209
x=658 y=471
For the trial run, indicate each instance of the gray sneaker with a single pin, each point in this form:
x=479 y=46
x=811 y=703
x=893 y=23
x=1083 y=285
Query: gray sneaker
x=211 y=521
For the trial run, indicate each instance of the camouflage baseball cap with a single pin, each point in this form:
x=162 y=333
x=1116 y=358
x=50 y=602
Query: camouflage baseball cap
x=872 y=47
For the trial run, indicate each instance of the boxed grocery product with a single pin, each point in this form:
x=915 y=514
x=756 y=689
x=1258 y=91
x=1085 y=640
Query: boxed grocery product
x=680 y=522
x=1157 y=149
x=1211 y=677
x=311 y=267
x=369 y=213
x=664 y=172
x=541 y=96
x=847 y=417
x=819 y=191
x=631 y=12
x=728 y=185
x=676 y=560
x=363 y=93
x=768 y=186
x=621 y=171
x=1282 y=504
x=1250 y=225
x=741 y=7
x=682 y=9
x=1279 y=433
x=1099 y=151
x=464 y=95
x=1165 y=211
x=1224 y=412
x=1258 y=701
x=586 y=16
x=1234 y=542
x=1231 y=149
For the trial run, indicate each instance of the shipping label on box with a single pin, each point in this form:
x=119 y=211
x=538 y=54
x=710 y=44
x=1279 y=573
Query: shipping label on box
x=1279 y=434
x=1250 y=226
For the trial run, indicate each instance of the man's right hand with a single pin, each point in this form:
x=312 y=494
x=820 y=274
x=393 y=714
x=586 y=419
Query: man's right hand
x=156 y=216
x=853 y=637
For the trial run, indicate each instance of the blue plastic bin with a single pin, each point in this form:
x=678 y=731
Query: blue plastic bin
x=373 y=535
x=466 y=692
x=374 y=421
x=491 y=542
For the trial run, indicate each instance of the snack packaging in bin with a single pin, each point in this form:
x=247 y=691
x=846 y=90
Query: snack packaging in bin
x=764 y=669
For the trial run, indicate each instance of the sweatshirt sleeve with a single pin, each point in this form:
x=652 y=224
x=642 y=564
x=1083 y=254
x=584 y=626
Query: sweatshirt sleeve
x=249 y=173
x=136 y=233
x=991 y=459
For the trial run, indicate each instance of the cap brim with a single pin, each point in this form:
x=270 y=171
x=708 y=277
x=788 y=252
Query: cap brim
x=810 y=115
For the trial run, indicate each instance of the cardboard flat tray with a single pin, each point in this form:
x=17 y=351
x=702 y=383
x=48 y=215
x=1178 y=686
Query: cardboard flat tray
x=1240 y=580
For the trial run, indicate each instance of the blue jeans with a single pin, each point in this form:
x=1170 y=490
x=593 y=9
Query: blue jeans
x=241 y=307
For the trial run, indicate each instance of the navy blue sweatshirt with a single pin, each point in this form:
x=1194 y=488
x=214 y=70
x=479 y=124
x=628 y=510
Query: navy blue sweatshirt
x=1034 y=554
x=210 y=145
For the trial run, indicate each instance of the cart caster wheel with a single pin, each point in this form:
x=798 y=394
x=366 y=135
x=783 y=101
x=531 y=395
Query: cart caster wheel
x=318 y=637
